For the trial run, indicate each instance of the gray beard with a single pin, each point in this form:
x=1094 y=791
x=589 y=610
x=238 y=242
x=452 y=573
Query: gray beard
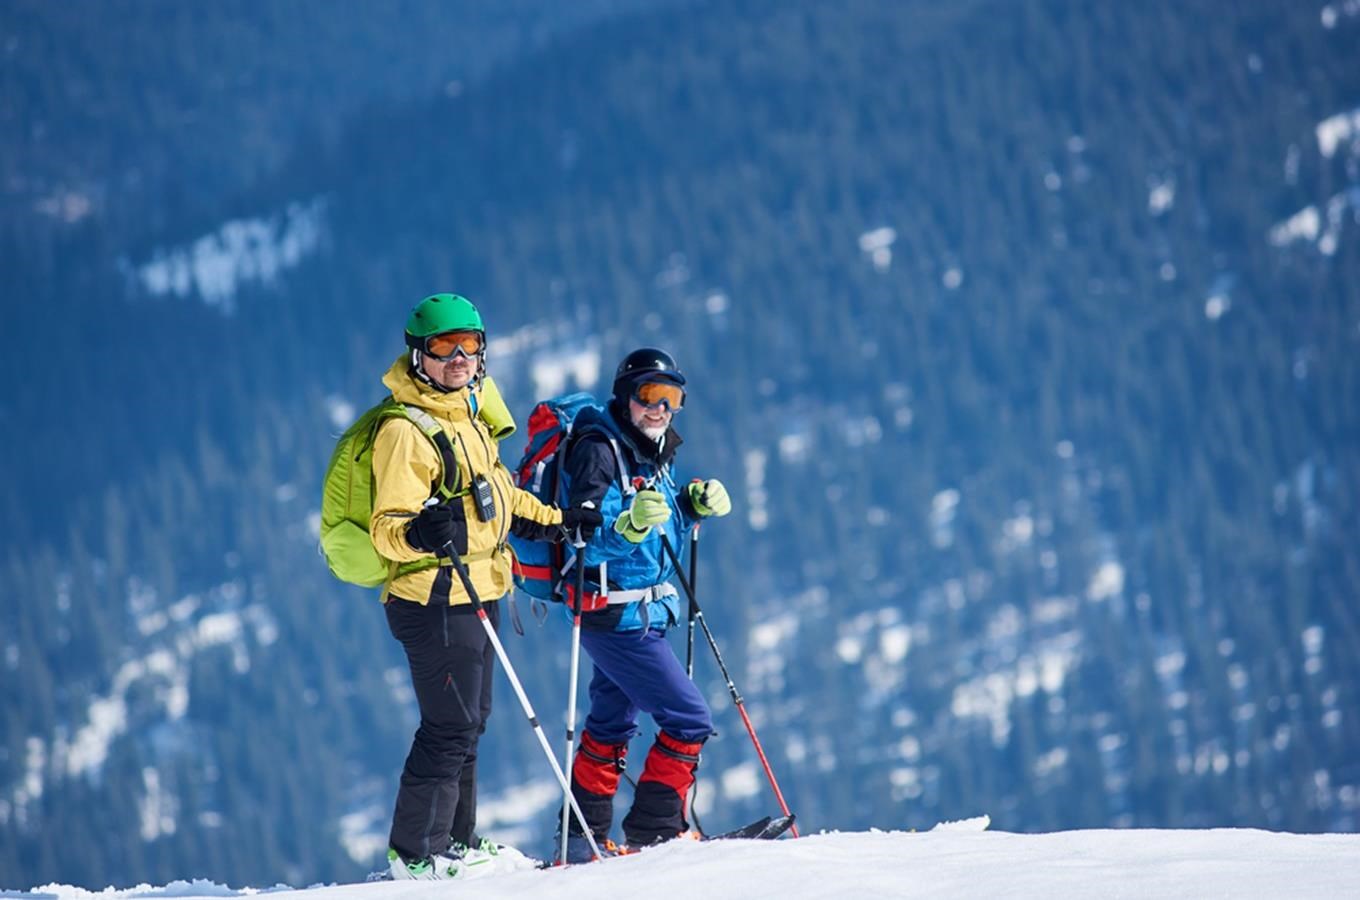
x=653 y=434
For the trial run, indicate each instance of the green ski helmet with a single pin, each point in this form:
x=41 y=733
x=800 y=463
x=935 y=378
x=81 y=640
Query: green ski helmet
x=439 y=313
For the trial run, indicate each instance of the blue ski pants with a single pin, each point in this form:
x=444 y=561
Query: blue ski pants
x=639 y=672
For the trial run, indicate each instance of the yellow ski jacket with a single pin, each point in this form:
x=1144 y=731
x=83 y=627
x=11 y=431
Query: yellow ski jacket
x=406 y=467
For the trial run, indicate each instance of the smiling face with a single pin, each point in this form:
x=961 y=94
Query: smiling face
x=650 y=420
x=451 y=373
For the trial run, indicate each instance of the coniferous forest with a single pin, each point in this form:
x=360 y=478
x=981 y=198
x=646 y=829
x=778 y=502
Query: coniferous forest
x=1024 y=333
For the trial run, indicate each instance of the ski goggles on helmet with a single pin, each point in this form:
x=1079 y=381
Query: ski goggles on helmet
x=450 y=344
x=654 y=393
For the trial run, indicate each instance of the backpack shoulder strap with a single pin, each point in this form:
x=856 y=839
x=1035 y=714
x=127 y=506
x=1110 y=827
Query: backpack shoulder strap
x=625 y=483
x=449 y=485
x=620 y=461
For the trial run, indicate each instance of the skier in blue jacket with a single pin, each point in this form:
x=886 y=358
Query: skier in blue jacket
x=620 y=460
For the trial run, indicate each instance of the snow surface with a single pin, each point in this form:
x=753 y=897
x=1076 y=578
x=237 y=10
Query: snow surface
x=957 y=861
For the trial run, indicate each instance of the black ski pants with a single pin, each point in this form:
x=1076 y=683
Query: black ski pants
x=451 y=661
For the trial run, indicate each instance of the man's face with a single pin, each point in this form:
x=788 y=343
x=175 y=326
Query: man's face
x=451 y=373
x=650 y=420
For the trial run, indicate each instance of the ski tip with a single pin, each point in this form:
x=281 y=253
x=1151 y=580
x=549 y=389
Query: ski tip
x=777 y=827
x=749 y=830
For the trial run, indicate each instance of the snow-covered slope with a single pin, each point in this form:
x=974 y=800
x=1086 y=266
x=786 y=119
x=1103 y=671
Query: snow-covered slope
x=965 y=862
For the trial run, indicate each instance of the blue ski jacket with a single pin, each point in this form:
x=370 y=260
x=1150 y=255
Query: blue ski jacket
x=600 y=445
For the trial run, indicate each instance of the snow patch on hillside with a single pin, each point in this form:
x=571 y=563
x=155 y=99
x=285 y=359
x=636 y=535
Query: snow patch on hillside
x=1319 y=225
x=877 y=246
x=215 y=266
x=1332 y=13
x=557 y=358
x=1336 y=131
x=146 y=691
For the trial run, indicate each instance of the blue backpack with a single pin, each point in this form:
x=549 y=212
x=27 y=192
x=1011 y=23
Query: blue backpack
x=538 y=564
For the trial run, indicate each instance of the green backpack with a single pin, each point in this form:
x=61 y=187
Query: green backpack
x=347 y=496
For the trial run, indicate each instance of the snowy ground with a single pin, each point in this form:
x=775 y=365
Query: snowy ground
x=1237 y=863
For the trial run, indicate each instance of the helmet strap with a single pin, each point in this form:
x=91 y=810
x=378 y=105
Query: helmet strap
x=418 y=372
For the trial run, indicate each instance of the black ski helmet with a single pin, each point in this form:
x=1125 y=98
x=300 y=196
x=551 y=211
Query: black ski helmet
x=645 y=364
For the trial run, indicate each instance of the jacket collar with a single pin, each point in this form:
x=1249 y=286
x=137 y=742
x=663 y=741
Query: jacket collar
x=406 y=388
x=643 y=448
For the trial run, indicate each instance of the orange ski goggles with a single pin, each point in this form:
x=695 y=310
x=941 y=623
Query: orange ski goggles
x=451 y=343
x=654 y=393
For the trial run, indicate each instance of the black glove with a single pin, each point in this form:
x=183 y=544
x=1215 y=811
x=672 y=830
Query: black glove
x=438 y=526
x=585 y=518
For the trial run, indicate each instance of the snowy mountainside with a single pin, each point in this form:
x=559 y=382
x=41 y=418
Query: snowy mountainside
x=1033 y=393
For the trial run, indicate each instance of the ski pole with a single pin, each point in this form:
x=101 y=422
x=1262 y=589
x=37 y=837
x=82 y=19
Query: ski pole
x=731 y=687
x=519 y=691
x=580 y=545
x=689 y=645
x=693 y=581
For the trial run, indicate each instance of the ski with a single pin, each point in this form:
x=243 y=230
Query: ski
x=766 y=828
x=745 y=832
x=776 y=827
x=482 y=866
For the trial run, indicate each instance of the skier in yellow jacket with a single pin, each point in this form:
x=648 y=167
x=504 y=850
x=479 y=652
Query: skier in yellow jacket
x=443 y=373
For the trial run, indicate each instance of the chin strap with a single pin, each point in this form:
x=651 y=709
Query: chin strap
x=418 y=372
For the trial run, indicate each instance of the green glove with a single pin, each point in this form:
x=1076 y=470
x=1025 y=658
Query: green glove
x=709 y=498
x=649 y=508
